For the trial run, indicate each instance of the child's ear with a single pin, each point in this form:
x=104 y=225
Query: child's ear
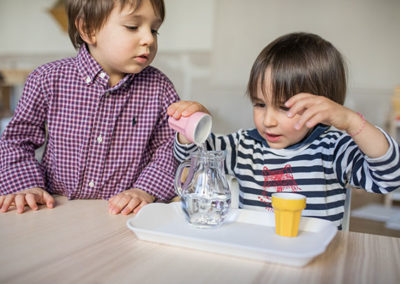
x=86 y=37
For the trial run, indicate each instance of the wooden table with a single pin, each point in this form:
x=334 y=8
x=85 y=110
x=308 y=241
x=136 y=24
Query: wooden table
x=80 y=242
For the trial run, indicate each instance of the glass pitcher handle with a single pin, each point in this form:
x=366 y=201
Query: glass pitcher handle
x=177 y=182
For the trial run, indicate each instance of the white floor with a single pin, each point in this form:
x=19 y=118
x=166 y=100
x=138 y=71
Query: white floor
x=380 y=213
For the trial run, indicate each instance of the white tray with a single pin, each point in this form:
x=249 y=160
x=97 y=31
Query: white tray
x=248 y=233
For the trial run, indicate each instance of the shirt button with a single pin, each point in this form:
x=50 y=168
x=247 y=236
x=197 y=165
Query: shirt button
x=99 y=138
x=88 y=80
x=106 y=94
x=102 y=75
x=91 y=184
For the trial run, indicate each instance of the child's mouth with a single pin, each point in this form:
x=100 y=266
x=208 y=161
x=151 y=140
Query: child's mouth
x=142 y=58
x=272 y=137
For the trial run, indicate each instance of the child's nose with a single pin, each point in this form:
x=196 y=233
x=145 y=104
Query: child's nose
x=148 y=37
x=270 y=118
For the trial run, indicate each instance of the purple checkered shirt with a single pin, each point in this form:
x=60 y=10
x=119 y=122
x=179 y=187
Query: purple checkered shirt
x=101 y=140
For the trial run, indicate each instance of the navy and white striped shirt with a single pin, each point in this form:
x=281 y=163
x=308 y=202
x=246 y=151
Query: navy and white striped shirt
x=320 y=167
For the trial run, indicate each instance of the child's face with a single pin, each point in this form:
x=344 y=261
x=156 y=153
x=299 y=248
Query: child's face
x=272 y=123
x=127 y=43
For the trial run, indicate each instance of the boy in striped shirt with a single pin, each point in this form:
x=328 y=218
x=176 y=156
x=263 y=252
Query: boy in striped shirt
x=305 y=143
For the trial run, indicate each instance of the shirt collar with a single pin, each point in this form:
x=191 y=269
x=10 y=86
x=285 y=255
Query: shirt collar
x=91 y=71
x=317 y=131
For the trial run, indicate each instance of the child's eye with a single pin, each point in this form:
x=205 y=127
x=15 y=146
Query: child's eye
x=261 y=105
x=154 y=32
x=283 y=108
x=134 y=28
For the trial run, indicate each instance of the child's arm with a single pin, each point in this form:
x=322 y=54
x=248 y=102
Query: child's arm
x=31 y=197
x=19 y=169
x=369 y=160
x=311 y=110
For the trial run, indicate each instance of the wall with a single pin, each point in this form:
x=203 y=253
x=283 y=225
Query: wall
x=207 y=47
x=365 y=31
x=27 y=28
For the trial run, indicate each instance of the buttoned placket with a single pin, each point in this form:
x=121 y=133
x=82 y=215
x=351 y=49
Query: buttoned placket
x=101 y=133
x=99 y=145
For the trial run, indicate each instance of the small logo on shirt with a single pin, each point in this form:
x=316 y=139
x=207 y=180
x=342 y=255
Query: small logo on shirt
x=281 y=179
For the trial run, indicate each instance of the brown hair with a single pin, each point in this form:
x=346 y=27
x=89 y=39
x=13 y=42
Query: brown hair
x=300 y=62
x=95 y=12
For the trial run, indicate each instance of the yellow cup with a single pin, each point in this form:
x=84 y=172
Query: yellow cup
x=288 y=207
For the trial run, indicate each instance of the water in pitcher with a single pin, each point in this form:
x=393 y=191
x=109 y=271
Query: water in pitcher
x=206 y=212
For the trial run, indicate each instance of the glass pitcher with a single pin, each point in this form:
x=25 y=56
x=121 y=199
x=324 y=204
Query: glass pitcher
x=205 y=194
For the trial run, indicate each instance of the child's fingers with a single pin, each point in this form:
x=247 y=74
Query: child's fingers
x=298 y=97
x=318 y=113
x=299 y=106
x=20 y=203
x=31 y=201
x=309 y=119
x=48 y=199
x=177 y=108
x=130 y=206
x=128 y=201
x=119 y=202
x=185 y=108
x=172 y=108
x=194 y=107
x=111 y=202
x=9 y=199
x=2 y=200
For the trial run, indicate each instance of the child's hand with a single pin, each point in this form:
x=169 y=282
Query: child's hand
x=129 y=201
x=314 y=109
x=185 y=108
x=31 y=197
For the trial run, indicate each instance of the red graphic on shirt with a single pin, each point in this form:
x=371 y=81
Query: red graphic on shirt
x=281 y=179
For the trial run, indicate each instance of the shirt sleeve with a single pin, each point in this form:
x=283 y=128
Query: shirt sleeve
x=158 y=176
x=227 y=143
x=379 y=175
x=19 y=168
